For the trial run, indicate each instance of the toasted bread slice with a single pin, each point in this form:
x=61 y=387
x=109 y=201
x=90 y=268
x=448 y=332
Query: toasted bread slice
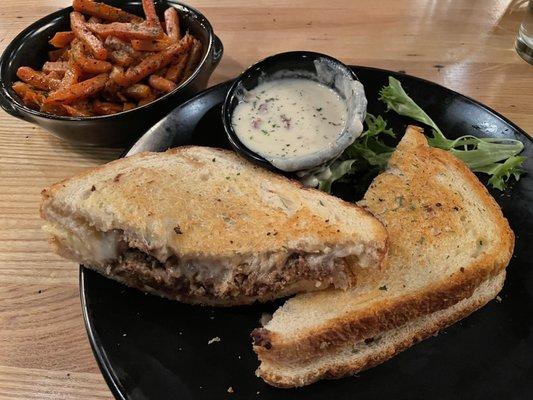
x=203 y=225
x=353 y=357
x=447 y=238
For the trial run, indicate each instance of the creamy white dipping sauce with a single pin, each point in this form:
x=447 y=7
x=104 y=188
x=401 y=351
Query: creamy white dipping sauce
x=289 y=117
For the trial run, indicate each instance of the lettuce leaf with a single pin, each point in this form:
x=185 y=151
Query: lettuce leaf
x=366 y=153
x=338 y=170
x=493 y=156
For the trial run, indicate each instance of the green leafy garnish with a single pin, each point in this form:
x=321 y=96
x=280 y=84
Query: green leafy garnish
x=369 y=147
x=367 y=154
x=338 y=170
x=493 y=156
x=501 y=172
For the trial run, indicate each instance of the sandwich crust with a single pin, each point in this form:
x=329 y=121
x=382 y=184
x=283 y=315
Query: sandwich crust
x=356 y=357
x=447 y=236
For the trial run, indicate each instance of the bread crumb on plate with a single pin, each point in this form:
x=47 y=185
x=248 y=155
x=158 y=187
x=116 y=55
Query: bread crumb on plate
x=215 y=339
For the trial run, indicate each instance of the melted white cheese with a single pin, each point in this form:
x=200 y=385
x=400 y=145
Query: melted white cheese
x=289 y=117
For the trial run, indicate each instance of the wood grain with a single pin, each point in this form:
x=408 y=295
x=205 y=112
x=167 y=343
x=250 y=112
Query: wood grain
x=464 y=45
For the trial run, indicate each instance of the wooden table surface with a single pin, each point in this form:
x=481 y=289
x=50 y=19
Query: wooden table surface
x=465 y=45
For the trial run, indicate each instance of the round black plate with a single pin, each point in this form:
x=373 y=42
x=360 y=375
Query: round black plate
x=150 y=348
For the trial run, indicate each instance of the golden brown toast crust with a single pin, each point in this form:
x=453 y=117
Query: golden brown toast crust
x=423 y=330
x=444 y=292
x=280 y=228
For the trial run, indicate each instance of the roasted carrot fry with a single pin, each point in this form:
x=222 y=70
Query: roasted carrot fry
x=120 y=58
x=53 y=108
x=125 y=30
x=155 y=61
x=175 y=71
x=110 y=61
x=128 y=106
x=194 y=59
x=151 y=14
x=75 y=111
x=20 y=88
x=59 y=54
x=61 y=39
x=147 y=100
x=162 y=72
x=120 y=52
x=88 y=64
x=37 y=79
x=138 y=91
x=79 y=90
x=114 y=43
x=104 y=11
x=30 y=97
x=79 y=27
x=55 y=75
x=94 y=66
x=151 y=45
x=111 y=92
x=162 y=84
x=172 y=24
x=105 y=107
x=118 y=76
x=55 y=66
x=72 y=75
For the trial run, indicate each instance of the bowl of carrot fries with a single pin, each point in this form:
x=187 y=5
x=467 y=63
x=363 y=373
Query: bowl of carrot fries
x=100 y=74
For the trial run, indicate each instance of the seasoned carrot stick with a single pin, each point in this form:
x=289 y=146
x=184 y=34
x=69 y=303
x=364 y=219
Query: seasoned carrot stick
x=151 y=45
x=147 y=100
x=55 y=66
x=128 y=106
x=93 y=66
x=194 y=59
x=172 y=24
x=53 y=108
x=120 y=58
x=37 y=79
x=30 y=97
x=151 y=14
x=117 y=76
x=120 y=52
x=125 y=30
x=162 y=84
x=175 y=71
x=79 y=27
x=155 y=61
x=59 y=54
x=88 y=64
x=138 y=91
x=74 y=111
x=72 y=75
x=105 y=107
x=55 y=75
x=104 y=11
x=61 y=39
x=79 y=90
x=114 y=43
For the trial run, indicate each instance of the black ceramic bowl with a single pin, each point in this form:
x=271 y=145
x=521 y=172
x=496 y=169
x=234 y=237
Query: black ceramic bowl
x=298 y=63
x=31 y=48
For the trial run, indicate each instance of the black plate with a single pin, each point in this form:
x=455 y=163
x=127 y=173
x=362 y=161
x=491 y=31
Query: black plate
x=149 y=348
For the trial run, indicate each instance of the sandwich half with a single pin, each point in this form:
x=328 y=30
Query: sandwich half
x=448 y=248
x=204 y=226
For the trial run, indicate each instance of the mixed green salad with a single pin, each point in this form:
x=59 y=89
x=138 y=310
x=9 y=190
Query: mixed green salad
x=368 y=155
